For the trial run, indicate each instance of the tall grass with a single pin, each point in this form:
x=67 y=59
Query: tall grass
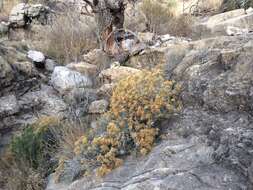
x=6 y=6
x=69 y=37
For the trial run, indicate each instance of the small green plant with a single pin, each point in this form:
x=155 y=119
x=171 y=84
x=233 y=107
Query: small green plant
x=35 y=143
x=28 y=160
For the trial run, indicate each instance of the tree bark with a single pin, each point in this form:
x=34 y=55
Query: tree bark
x=110 y=20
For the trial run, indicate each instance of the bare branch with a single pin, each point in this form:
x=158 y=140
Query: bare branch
x=89 y=3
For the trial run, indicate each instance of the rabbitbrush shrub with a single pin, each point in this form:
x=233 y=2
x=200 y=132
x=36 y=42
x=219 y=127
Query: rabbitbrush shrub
x=137 y=103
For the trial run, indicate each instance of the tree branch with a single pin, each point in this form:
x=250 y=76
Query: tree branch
x=89 y=3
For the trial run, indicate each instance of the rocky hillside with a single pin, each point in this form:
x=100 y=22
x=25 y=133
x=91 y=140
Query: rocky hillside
x=206 y=145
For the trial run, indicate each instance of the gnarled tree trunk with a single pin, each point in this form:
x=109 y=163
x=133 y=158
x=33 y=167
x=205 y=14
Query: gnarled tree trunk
x=110 y=19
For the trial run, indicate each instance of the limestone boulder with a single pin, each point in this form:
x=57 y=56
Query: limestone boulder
x=64 y=79
x=99 y=58
x=84 y=68
x=98 y=107
x=148 y=58
x=23 y=14
x=8 y=106
x=117 y=73
x=229 y=23
x=17 y=14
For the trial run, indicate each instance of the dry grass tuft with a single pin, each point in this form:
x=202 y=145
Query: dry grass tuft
x=5 y=7
x=162 y=18
x=69 y=37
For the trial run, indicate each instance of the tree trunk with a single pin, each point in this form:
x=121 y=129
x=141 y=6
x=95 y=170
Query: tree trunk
x=110 y=19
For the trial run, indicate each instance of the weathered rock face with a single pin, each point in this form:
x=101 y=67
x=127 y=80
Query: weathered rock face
x=99 y=58
x=98 y=107
x=24 y=92
x=84 y=68
x=16 y=70
x=221 y=24
x=209 y=145
x=116 y=73
x=8 y=106
x=23 y=14
x=65 y=80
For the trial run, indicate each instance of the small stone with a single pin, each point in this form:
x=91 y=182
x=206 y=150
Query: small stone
x=98 y=107
x=50 y=64
x=106 y=90
x=37 y=57
x=8 y=106
x=146 y=37
x=128 y=44
x=3 y=28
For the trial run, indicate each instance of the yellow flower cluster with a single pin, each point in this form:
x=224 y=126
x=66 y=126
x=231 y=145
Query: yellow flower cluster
x=137 y=103
x=142 y=99
x=145 y=139
x=108 y=161
x=108 y=145
x=80 y=143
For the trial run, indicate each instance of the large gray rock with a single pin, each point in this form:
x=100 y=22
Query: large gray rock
x=6 y=73
x=4 y=29
x=8 y=106
x=64 y=79
x=17 y=14
x=221 y=24
x=181 y=164
x=23 y=13
x=99 y=58
x=115 y=74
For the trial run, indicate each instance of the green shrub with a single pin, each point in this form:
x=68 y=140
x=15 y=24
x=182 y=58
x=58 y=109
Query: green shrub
x=35 y=144
x=28 y=160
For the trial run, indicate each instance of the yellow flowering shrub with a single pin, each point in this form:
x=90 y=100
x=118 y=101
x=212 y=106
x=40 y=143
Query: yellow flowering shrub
x=137 y=103
x=142 y=99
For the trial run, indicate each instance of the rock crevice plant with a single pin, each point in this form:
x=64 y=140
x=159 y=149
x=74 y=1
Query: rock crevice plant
x=137 y=103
